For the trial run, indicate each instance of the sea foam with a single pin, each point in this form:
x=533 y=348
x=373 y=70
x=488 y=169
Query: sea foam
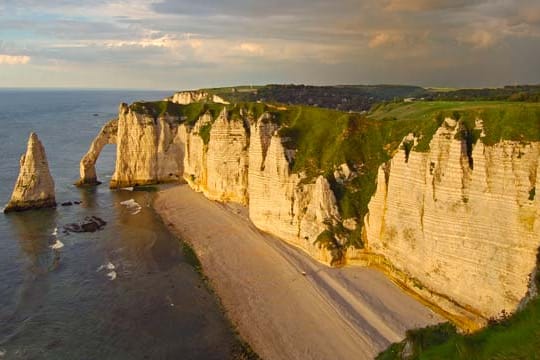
x=57 y=245
x=132 y=205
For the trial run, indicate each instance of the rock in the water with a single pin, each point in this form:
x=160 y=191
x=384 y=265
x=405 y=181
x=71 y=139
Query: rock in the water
x=35 y=186
x=89 y=224
x=107 y=135
x=67 y=203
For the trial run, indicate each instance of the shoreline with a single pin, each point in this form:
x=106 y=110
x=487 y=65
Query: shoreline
x=281 y=302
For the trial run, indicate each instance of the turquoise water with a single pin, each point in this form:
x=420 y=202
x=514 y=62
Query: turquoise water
x=62 y=304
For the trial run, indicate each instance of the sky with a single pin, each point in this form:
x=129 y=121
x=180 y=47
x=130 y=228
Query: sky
x=180 y=44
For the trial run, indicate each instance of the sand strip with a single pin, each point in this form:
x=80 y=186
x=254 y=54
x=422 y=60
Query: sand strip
x=285 y=304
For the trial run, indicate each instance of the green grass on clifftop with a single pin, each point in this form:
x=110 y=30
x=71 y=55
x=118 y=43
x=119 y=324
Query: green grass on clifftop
x=501 y=120
x=517 y=337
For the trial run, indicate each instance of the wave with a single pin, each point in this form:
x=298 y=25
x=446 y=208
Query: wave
x=132 y=205
x=57 y=245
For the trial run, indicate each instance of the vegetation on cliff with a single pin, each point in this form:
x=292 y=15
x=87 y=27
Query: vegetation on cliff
x=500 y=120
x=362 y=97
x=323 y=139
x=512 y=337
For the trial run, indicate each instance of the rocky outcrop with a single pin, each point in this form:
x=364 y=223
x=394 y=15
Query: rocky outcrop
x=253 y=168
x=35 y=186
x=460 y=227
x=107 y=135
x=149 y=150
x=227 y=160
x=189 y=97
x=280 y=202
x=219 y=168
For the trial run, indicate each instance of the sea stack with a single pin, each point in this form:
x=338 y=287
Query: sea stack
x=35 y=186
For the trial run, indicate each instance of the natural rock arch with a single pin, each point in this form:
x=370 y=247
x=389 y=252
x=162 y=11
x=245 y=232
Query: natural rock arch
x=107 y=135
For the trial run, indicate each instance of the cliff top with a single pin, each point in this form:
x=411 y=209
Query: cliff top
x=501 y=120
x=362 y=97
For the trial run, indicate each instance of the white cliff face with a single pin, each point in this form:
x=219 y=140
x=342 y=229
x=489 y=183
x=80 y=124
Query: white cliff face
x=195 y=153
x=35 y=186
x=458 y=226
x=227 y=160
x=278 y=202
x=467 y=230
x=219 y=100
x=107 y=135
x=149 y=149
x=219 y=168
x=189 y=97
x=254 y=170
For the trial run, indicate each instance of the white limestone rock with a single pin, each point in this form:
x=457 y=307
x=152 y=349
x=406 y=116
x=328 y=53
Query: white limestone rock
x=149 y=149
x=35 y=186
x=189 y=97
x=107 y=135
x=465 y=228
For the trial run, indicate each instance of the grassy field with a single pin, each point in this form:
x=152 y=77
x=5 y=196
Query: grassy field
x=517 y=337
x=501 y=120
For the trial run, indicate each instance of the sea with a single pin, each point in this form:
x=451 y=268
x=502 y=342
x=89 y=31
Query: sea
x=128 y=291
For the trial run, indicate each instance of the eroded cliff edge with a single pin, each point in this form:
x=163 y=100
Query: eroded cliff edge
x=459 y=228
x=448 y=212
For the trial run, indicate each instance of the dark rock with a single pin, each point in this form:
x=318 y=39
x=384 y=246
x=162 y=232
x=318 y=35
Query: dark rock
x=89 y=224
x=67 y=203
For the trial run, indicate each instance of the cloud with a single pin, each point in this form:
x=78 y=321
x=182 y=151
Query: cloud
x=479 y=39
x=427 y=5
x=14 y=59
x=257 y=9
x=385 y=39
x=251 y=48
x=309 y=41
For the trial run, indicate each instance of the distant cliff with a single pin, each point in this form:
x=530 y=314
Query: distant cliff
x=443 y=201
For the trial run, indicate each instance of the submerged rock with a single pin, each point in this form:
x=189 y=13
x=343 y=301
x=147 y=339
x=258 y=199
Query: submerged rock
x=35 y=186
x=89 y=224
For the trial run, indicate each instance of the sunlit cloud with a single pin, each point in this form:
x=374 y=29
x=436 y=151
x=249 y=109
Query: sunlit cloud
x=251 y=48
x=14 y=59
x=479 y=39
x=385 y=39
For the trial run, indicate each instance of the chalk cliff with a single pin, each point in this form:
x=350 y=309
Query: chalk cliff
x=35 y=186
x=107 y=135
x=279 y=202
x=252 y=168
x=460 y=228
x=149 y=150
x=189 y=97
x=458 y=224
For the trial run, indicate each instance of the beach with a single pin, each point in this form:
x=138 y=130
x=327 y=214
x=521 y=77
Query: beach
x=283 y=303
